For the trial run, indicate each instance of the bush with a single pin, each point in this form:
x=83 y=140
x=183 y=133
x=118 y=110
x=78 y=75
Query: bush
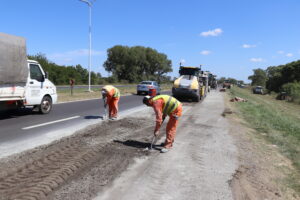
x=292 y=90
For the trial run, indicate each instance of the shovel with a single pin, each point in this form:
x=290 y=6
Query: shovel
x=105 y=110
x=154 y=140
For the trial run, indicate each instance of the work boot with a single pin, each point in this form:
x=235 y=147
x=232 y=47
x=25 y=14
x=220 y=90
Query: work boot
x=164 y=150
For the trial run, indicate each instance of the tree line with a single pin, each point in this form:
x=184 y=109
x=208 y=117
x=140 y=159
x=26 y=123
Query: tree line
x=126 y=64
x=61 y=75
x=281 y=78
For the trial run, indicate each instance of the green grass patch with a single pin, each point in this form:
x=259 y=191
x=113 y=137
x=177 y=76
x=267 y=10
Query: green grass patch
x=279 y=126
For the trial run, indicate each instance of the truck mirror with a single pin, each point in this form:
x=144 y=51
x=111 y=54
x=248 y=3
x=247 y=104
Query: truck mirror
x=46 y=75
x=41 y=79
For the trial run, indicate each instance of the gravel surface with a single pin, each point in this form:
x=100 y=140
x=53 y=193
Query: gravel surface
x=109 y=161
x=199 y=166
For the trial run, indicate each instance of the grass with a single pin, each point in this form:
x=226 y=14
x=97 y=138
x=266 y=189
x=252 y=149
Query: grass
x=64 y=95
x=278 y=121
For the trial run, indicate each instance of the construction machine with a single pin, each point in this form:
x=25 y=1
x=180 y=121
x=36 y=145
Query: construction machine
x=226 y=84
x=203 y=82
x=188 y=85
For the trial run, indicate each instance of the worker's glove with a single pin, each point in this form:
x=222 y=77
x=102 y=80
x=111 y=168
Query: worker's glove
x=176 y=117
x=156 y=133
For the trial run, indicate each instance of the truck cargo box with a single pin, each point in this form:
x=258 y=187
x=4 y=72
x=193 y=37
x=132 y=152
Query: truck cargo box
x=13 y=60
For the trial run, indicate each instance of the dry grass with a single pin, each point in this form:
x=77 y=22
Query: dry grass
x=64 y=95
x=277 y=121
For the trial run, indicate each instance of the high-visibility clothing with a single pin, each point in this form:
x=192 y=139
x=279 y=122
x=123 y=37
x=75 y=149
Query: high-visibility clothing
x=113 y=107
x=112 y=91
x=113 y=96
x=172 y=126
x=170 y=103
x=167 y=105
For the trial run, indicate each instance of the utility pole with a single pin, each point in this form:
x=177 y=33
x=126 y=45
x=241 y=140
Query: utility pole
x=89 y=3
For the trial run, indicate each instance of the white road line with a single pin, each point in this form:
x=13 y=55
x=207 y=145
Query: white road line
x=44 y=124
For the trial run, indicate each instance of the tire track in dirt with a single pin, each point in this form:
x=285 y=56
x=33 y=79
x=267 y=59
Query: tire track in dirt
x=37 y=178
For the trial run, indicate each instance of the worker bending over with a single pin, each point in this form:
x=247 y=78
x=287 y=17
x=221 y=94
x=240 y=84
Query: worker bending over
x=164 y=105
x=111 y=96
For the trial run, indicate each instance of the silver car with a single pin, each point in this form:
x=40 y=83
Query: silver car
x=144 y=86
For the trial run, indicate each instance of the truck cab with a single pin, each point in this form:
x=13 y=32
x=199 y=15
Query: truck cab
x=23 y=82
x=40 y=92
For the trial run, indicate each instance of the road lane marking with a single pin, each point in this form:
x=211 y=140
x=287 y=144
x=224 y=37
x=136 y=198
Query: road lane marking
x=47 y=123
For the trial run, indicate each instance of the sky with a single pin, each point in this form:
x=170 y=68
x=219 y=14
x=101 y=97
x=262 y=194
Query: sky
x=229 y=38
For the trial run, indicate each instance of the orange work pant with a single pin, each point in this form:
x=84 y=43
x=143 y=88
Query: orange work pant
x=172 y=126
x=113 y=106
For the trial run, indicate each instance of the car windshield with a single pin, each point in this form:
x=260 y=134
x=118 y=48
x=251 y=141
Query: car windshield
x=146 y=83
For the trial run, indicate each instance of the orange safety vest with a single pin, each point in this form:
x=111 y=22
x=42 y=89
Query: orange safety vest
x=110 y=87
x=170 y=103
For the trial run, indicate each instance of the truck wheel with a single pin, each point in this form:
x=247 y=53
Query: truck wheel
x=46 y=105
x=197 y=99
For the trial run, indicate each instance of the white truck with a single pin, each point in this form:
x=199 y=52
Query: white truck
x=23 y=82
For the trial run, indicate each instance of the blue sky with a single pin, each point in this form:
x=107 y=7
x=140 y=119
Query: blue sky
x=228 y=37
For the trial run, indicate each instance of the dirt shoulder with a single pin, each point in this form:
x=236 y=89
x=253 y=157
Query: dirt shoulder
x=263 y=173
x=199 y=166
x=108 y=161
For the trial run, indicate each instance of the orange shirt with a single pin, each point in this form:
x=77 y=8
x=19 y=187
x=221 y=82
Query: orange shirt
x=110 y=94
x=158 y=109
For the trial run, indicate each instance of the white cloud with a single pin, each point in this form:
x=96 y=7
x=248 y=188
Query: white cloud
x=246 y=46
x=205 y=52
x=71 y=55
x=289 y=55
x=215 y=32
x=182 y=61
x=257 y=60
x=280 y=52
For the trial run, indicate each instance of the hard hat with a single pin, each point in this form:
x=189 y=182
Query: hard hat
x=146 y=99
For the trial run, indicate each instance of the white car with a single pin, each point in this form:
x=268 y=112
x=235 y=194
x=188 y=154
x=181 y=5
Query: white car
x=144 y=86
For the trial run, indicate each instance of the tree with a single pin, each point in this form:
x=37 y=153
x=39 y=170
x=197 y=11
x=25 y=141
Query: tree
x=61 y=75
x=221 y=80
x=259 y=77
x=136 y=63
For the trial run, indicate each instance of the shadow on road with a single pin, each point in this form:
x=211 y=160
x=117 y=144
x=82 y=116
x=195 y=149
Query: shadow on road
x=138 y=144
x=93 y=117
x=134 y=143
x=16 y=113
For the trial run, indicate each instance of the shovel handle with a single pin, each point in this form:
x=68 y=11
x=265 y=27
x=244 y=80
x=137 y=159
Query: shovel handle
x=153 y=142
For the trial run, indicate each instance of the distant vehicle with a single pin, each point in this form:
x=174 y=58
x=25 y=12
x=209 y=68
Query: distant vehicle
x=241 y=85
x=258 y=90
x=226 y=84
x=144 y=86
x=23 y=82
x=187 y=85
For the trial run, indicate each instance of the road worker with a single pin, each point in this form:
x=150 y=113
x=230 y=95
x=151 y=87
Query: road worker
x=164 y=105
x=111 y=97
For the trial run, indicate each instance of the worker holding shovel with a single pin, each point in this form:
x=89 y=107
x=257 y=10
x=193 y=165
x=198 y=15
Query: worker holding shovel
x=164 y=105
x=111 y=97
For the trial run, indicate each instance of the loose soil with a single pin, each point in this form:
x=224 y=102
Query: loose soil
x=214 y=152
x=104 y=150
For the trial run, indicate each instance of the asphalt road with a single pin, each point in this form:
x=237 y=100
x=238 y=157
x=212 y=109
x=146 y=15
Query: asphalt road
x=25 y=124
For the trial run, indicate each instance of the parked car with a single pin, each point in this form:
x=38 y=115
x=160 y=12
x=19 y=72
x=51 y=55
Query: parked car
x=258 y=90
x=144 y=86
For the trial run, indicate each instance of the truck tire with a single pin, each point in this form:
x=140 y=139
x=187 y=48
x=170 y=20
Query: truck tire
x=197 y=99
x=46 y=105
